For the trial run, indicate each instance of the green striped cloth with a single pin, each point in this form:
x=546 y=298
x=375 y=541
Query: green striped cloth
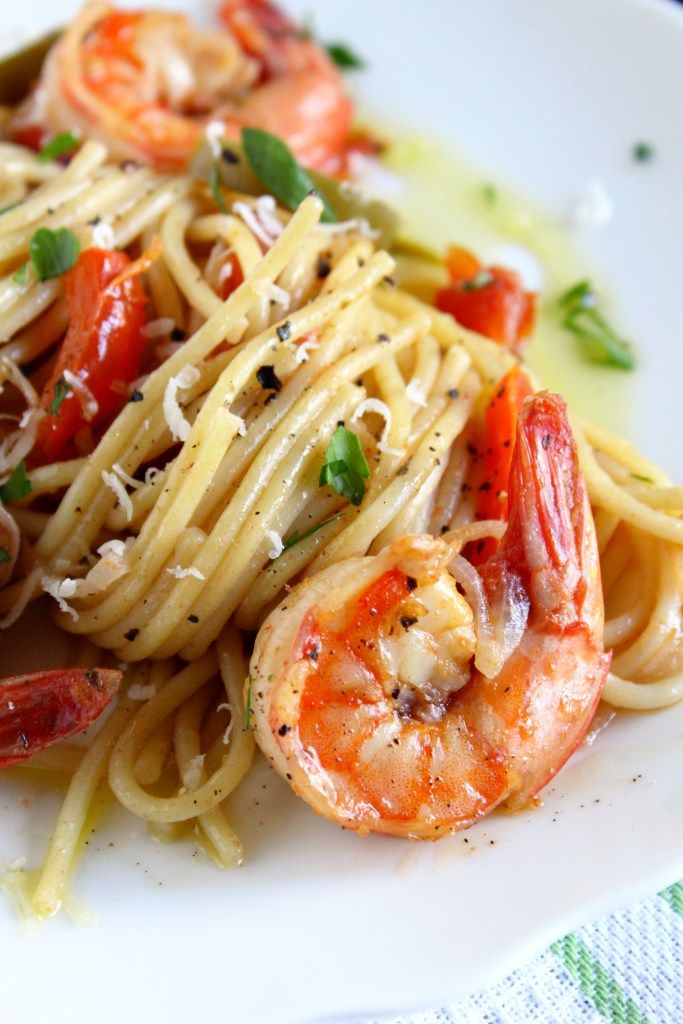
x=626 y=968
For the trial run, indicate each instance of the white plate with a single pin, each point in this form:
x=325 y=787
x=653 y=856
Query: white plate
x=320 y=923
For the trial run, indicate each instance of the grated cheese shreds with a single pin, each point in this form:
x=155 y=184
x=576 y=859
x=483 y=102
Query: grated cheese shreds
x=17 y=445
x=177 y=424
x=383 y=410
x=157 y=328
x=358 y=224
x=415 y=393
x=126 y=477
x=181 y=573
x=276 y=540
x=301 y=354
x=103 y=236
x=192 y=776
x=273 y=292
x=214 y=132
x=61 y=590
x=113 y=481
x=266 y=209
x=252 y=218
x=89 y=404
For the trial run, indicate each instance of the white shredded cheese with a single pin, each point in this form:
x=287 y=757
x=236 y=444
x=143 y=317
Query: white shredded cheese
x=61 y=590
x=415 y=393
x=251 y=217
x=383 y=410
x=89 y=404
x=192 y=775
x=214 y=132
x=225 y=271
x=276 y=540
x=594 y=208
x=241 y=425
x=266 y=208
x=139 y=692
x=151 y=473
x=177 y=424
x=17 y=445
x=126 y=477
x=358 y=224
x=103 y=236
x=10 y=371
x=181 y=573
x=111 y=480
x=301 y=354
x=157 y=328
x=273 y=292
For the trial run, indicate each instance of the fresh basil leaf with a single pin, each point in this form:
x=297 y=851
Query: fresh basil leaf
x=344 y=57
x=579 y=315
x=247 y=709
x=58 y=145
x=345 y=466
x=19 y=276
x=479 y=281
x=643 y=479
x=5 y=555
x=274 y=164
x=61 y=390
x=53 y=252
x=297 y=537
x=18 y=486
x=216 y=189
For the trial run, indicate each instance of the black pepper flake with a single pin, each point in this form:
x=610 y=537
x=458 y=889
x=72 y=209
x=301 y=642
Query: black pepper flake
x=313 y=651
x=445 y=528
x=92 y=678
x=229 y=156
x=453 y=393
x=193 y=618
x=486 y=486
x=22 y=739
x=411 y=583
x=407 y=621
x=284 y=331
x=547 y=441
x=284 y=729
x=178 y=334
x=136 y=396
x=271 y=396
x=268 y=379
x=506 y=444
x=323 y=269
x=131 y=634
x=395 y=692
x=383 y=337
x=403 y=470
x=95 y=221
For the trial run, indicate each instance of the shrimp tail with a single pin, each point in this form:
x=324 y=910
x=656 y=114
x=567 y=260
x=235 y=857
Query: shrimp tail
x=41 y=708
x=555 y=677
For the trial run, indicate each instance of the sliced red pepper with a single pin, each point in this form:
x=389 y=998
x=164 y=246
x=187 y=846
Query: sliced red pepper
x=489 y=300
x=30 y=135
x=493 y=445
x=41 y=708
x=102 y=347
x=235 y=278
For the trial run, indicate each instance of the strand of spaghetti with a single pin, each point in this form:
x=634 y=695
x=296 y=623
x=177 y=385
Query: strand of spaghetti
x=621 y=451
x=129 y=425
x=181 y=266
x=623 y=693
x=18 y=162
x=39 y=335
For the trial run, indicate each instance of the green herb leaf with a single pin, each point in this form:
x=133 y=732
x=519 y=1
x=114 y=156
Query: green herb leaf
x=247 y=708
x=19 y=276
x=10 y=206
x=59 y=145
x=216 y=189
x=5 y=555
x=18 y=486
x=297 y=537
x=489 y=194
x=480 y=280
x=344 y=57
x=644 y=479
x=579 y=314
x=643 y=152
x=345 y=466
x=62 y=389
x=274 y=165
x=53 y=252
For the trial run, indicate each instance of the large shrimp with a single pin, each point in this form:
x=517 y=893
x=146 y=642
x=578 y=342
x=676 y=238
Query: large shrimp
x=38 y=709
x=147 y=83
x=363 y=687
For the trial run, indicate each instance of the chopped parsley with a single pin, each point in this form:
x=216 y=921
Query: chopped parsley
x=58 y=145
x=5 y=555
x=274 y=164
x=480 y=280
x=53 y=252
x=17 y=486
x=578 y=312
x=19 y=276
x=247 y=707
x=344 y=57
x=61 y=390
x=216 y=189
x=345 y=468
x=643 y=152
x=643 y=479
x=297 y=537
x=489 y=194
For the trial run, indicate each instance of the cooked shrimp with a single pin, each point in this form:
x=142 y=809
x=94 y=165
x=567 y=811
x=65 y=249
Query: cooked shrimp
x=38 y=709
x=368 y=683
x=147 y=83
